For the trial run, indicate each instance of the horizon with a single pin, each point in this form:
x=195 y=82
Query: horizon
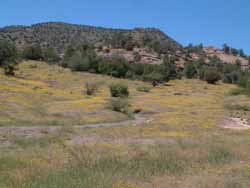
x=193 y=22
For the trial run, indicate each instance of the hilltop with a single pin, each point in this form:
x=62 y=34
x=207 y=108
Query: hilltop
x=60 y=35
x=150 y=43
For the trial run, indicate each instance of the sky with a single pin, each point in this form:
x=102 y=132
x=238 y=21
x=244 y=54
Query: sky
x=211 y=22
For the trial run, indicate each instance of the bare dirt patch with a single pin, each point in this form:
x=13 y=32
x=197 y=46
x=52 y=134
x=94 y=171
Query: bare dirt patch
x=236 y=124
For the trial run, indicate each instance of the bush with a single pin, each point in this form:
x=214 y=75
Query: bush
x=154 y=77
x=77 y=63
x=91 y=87
x=138 y=68
x=8 y=53
x=244 y=81
x=190 y=70
x=137 y=56
x=8 y=56
x=119 y=90
x=9 y=69
x=238 y=107
x=211 y=75
x=115 y=66
x=51 y=56
x=238 y=91
x=119 y=105
x=231 y=78
x=33 y=53
x=144 y=88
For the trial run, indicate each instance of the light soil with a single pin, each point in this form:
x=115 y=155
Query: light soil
x=236 y=124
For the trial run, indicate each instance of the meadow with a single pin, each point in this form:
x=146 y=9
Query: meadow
x=181 y=143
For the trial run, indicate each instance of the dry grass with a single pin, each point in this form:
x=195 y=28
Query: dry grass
x=181 y=146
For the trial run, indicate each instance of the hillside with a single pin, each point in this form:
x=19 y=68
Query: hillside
x=60 y=35
x=52 y=135
x=150 y=43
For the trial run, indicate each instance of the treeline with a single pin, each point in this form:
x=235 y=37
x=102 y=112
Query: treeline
x=10 y=56
x=214 y=70
x=233 y=51
x=84 y=58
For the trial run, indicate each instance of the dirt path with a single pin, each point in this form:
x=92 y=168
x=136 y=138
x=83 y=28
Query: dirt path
x=37 y=131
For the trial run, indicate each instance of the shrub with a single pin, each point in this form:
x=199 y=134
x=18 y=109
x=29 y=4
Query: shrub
x=154 y=77
x=51 y=56
x=231 y=78
x=168 y=69
x=119 y=90
x=220 y=155
x=115 y=66
x=211 y=75
x=9 y=69
x=190 y=70
x=238 y=91
x=91 y=87
x=119 y=105
x=137 y=56
x=77 y=63
x=144 y=88
x=138 y=68
x=238 y=107
x=244 y=81
x=8 y=53
x=33 y=53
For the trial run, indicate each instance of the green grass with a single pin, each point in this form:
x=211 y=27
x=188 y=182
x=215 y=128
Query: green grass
x=238 y=107
x=239 y=91
x=144 y=88
x=220 y=155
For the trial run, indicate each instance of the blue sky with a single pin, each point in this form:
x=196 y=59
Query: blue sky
x=211 y=22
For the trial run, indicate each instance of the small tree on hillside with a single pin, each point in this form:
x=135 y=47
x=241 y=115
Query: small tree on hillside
x=190 y=70
x=238 y=62
x=33 y=53
x=234 y=51
x=51 y=56
x=137 y=57
x=242 y=53
x=8 y=55
x=226 y=48
x=8 y=52
x=211 y=75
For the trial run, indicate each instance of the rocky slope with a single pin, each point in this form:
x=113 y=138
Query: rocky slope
x=60 y=35
x=150 y=43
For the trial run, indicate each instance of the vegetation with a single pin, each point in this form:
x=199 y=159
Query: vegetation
x=144 y=88
x=198 y=49
x=91 y=87
x=61 y=35
x=236 y=52
x=119 y=90
x=119 y=105
x=8 y=57
x=211 y=75
x=180 y=136
x=180 y=143
x=33 y=53
x=190 y=70
x=51 y=56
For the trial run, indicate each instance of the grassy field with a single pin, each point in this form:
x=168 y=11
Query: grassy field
x=181 y=145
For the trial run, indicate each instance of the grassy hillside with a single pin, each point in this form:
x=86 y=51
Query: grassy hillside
x=181 y=144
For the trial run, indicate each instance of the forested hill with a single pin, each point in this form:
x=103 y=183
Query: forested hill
x=60 y=35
